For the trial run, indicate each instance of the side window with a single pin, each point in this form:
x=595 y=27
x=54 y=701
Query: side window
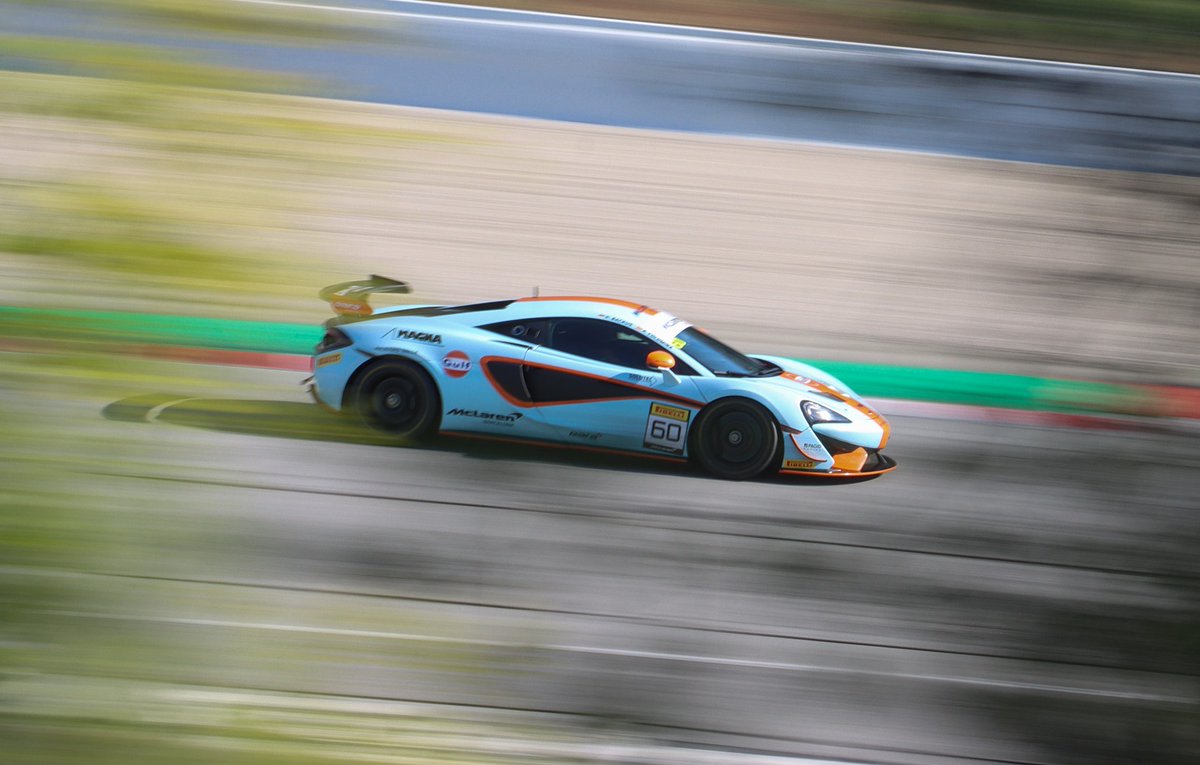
x=534 y=331
x=605 y=341
x=601 y=341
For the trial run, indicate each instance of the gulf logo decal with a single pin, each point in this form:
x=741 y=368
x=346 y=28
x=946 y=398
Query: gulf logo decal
x=456 y=364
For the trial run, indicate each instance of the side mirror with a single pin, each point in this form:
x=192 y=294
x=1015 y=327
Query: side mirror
x=664 y=362
x=660 y=360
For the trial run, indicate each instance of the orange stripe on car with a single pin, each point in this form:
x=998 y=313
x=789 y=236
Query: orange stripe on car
x=646 y=393
x=637 y=307
x=839 y=473
x=855 y=404
x=887 y=431
x=560 y=445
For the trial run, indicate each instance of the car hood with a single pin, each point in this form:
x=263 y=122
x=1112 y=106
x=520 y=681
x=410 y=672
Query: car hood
x=804 y=381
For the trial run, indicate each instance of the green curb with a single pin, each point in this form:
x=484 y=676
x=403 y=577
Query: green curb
x=950 y=386
x=159 y=329
x=871 y=380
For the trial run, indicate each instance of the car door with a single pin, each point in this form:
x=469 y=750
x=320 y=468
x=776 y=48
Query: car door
x=590 y=382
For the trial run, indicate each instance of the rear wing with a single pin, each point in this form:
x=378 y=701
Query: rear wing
x=351 y=297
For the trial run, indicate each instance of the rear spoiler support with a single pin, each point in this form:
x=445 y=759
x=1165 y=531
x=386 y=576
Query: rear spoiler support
x=351 y=297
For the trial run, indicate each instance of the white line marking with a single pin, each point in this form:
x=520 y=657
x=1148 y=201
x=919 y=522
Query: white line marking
x=153 y=412
x=531 y=25
x=630 y=653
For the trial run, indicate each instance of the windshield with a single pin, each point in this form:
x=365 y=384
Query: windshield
x=719 y=358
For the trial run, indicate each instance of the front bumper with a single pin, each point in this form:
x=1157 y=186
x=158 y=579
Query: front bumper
x=837 y=457
x=872 y=463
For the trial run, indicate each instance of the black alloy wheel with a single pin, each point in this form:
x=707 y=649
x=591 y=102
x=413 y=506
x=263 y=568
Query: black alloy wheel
x=736 y=439
x=399 y=398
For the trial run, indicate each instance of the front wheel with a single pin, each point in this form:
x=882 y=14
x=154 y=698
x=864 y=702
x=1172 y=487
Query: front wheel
x=735 y=439
x=399 y=398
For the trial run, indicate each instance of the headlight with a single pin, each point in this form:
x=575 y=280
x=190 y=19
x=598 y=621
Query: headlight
x=815 y=413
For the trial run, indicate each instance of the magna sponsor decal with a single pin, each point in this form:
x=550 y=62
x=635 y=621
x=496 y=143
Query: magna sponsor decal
x=456 y=363
x=420 y=337
x=499 y=419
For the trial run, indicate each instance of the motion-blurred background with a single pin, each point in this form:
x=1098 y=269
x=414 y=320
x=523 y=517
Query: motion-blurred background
x=197 y=566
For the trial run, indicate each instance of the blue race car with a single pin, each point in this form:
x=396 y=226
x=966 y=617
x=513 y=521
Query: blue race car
x=588 y=372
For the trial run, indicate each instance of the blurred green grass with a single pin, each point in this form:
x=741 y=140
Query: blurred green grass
x=229 y=18
x=174 y=181
x=177 y=170
x=137 y=63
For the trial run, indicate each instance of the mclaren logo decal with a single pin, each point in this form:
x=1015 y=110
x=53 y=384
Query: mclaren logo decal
x=499 y=419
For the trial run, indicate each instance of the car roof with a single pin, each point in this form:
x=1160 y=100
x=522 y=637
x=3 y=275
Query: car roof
x=523 y=308
x=581 y=305
x=658 y=324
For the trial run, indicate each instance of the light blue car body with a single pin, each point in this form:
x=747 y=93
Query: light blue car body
x=479 y=375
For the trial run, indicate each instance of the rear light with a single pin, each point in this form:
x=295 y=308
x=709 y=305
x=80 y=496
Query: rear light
x=334 y=338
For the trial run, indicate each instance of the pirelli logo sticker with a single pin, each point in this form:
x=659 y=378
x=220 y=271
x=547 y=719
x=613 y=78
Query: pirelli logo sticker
x=670 y=412
x=799 y=464
x=332 y=358
x=666 y=428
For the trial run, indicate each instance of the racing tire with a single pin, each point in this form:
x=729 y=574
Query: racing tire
x=398 y=398
x=735 y=439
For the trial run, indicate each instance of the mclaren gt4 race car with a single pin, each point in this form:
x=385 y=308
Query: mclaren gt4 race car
x=590 y=372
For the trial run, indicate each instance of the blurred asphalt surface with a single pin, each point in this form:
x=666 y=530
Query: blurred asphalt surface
x=917 y=618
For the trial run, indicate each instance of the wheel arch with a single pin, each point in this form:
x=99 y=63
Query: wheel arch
x=697 y=433
x=763 y=401
x=351 y=387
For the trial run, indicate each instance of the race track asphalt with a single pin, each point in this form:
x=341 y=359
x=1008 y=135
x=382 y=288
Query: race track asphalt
x=1005 y=596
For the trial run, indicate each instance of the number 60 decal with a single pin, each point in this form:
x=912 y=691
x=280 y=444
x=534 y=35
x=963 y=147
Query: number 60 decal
x=666 y=428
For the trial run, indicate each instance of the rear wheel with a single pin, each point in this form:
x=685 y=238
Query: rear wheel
x=400 y=399
x=735 y=439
